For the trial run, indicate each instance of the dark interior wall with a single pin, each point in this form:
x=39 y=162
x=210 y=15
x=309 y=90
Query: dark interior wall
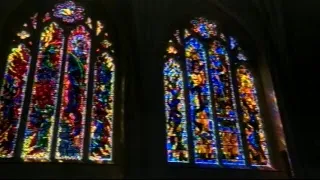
x=302 y=29
x=285 y=31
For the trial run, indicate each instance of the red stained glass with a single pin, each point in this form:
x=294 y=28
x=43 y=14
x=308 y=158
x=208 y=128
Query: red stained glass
x=12 y=98
x=40 y=122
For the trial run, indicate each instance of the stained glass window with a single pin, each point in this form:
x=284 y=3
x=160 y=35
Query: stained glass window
x=211 y=101
x=66 y=48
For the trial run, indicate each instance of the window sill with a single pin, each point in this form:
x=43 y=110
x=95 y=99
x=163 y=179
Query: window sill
x=192 y=171
x=19 y=170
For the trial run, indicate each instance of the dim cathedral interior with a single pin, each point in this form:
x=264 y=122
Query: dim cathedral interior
x=157 y=89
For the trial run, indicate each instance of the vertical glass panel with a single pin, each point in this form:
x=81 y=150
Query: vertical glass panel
x=12 y=98
x=73 y=111
x=200 y=103
x=101 y=129
x=257 y=146
x=224 y=105
x=41 y=118
x=177 y=136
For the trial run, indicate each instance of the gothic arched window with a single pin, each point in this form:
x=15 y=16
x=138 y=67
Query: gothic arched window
x=57 y=92
x=212 y=110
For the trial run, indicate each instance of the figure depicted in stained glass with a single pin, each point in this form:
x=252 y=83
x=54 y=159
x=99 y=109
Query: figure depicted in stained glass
x=200 y=102
x=177 y=137
x=12 y=97
x=177 y=140
x=258 y=153
x=224 y=103
x=40 y=122
x=72 y=114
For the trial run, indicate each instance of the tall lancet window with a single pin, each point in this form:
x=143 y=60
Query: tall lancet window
x=212 y=108
x=62 y=61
